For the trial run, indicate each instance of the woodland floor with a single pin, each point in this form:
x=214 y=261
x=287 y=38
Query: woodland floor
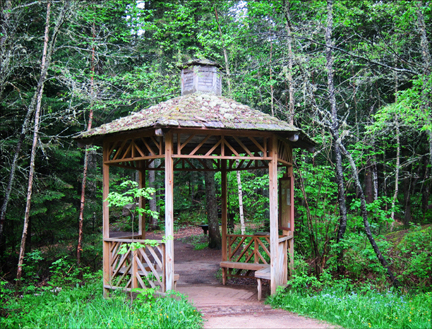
x=232 y=306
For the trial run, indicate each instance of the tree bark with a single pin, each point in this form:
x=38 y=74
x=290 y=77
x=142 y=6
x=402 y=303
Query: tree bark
x=427 y=69
x=290 y=62
x=86 y=153
x=369 y=183
x=225 y=53
x=35 y=140
x=215 y=240
x=364 y=216
x=396 y=173
x=335 y=130
x=408 y=181
x=46 y=58
x=4 y=35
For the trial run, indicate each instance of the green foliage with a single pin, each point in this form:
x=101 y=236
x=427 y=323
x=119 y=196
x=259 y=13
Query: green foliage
x=356 y=308
x=83 y=306
x=412 y=257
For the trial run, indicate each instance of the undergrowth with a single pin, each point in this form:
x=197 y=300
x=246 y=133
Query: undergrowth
x=85 y=307
x=361 y=307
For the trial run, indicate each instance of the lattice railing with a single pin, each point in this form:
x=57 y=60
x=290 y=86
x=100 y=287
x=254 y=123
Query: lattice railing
x=140 y=268
x=252 y=249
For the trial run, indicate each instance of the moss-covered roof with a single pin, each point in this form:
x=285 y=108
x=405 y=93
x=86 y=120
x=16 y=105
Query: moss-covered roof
x=197 y=110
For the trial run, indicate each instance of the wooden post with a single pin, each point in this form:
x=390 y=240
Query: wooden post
x=169 y=211
x=134 y=283
x=291 y=242
x=273 y=204
x=256 y=246
x=105 y=230
x=141 y=218
x=224 y=216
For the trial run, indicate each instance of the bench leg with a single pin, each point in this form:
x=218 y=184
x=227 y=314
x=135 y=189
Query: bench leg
x=224 y=275
x=259 y=288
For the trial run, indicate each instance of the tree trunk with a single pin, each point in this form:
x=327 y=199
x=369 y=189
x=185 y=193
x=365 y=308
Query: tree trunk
x=86 y=153
x=335 y=131
x=4 y=35
x=33 y=150
x=290 y=62
x=396 y=173
x=364 y=216
x=427 y=68
x=46 y=58
x=369 y=183
x=225 y=53
x=215 y=240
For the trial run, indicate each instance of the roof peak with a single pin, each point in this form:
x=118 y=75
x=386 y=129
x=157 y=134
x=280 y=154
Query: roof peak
x=199 y=62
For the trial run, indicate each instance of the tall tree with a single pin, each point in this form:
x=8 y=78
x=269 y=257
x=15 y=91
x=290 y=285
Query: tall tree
x=46 y=58
x=215 y=240
x=335 y=128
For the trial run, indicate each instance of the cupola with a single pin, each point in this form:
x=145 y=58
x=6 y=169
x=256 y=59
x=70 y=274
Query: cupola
x=201 y=75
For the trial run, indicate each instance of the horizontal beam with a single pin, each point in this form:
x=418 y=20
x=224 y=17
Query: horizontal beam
x=150 y=157
x=129 y=240
x=214 y=157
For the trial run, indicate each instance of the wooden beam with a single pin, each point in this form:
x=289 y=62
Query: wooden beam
x=169 y=211
x=212 y=157
x=273 y=204
x=223 y=132
x=136 y=159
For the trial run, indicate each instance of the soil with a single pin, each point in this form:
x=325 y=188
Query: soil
x=232 y=306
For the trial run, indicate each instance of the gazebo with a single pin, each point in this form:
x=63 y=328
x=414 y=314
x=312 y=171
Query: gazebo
x=200 y=125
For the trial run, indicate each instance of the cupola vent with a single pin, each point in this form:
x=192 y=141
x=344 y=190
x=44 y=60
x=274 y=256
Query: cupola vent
x=201 y=75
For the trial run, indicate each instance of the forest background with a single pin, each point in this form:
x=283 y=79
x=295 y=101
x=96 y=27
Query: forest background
x=90 y=62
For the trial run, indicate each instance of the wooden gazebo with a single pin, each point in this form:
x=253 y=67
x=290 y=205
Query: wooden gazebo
x=201 y=125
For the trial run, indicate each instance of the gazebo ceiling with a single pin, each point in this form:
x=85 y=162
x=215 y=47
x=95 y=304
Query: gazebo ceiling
x=197 y=111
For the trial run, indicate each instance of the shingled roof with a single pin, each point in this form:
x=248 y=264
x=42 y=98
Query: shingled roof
x=197 y=110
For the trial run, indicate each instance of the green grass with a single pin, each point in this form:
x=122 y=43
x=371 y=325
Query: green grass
x=84 y=307
x=370 y=309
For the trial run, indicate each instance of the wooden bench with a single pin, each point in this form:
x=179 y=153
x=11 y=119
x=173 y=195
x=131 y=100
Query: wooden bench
x=262 y=274
x=262 y=271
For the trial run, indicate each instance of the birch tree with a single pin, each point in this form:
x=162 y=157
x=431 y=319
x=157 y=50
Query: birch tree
x=45 y=62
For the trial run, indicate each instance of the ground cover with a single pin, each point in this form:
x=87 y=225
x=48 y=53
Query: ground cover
x=83 y=306
x=358 y=308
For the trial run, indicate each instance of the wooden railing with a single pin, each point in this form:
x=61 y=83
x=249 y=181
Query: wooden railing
x=248 y=248
x=140 y=268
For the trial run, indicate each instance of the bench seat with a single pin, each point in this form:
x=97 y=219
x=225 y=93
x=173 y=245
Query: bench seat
x=262 y=271
x=243 y=266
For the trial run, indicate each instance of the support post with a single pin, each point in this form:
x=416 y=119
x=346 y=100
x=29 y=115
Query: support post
x=134 y=283
x=141 y=202
x=105 y=229
x=224 y=216
x=169 y=211
x=273 y=204
x=291 y=242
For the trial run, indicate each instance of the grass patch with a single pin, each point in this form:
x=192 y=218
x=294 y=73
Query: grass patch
x=85 y=307
x=369 y=309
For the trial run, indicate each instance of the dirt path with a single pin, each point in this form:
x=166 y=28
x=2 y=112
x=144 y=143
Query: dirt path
x=232 y=306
